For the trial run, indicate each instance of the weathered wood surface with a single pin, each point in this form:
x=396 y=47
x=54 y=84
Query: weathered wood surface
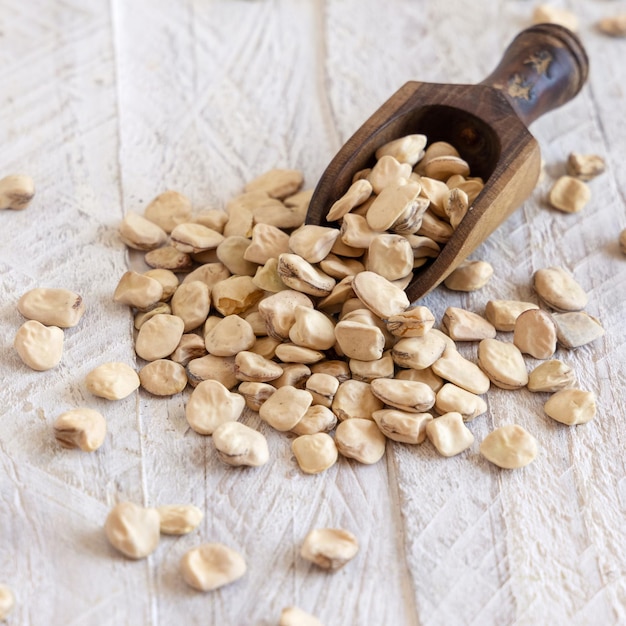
x=107 y=103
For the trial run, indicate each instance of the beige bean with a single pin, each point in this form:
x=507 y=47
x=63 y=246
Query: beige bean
x=276 y=213
x=355 y=236
x=178 y=519
x=141 y=234
x=569 y=194
x=391 y=204
x=456 y=206
x=571 y=406
x=138 y=290
x=503 y=363
x=436 y=229
x=7 y=603
x=212 y=404
x=451 y=398
x=294 y=375
x=168 y=280
x=240 y=221
x=312 y=329
x=163 y=377
x=355 y=399
x=576 y=329
x=252 y=367
x=268 y=242
x=329 y=548
x=361 y=440
x=559 y=290
x=535 y=334
x=416 y=321
x=390 y=256
x=215 y=219
x=313 y=243
x=455 y=368
x=436 y=192
x=277 y=183
x=52 y=307
x=408 y=149
x=314 y=453
x=509 y=447
x=133 y=530
x=322 y=387
x=265 y=347
x=237 y=444
x=193 y=238
x=418 y=352
x=141 y=317
x=504 y=313
x=285 y=408
x=211 y=566
x=551 y=376
x=255 y=394
x=80 y=428
x=401 y=425
x=169 y=209
x=16 y=192
x=339 y=369
x=423 y=248
x=406 y=395
x=336 y=299
x=614 y=25
x=256 y=321
x=357 y=340
x=368 y=371
x=159 y=336
x=169 y=258
x=622 y=241
x=209 y=273
x=229 y=336
x=464 y=325
x=278 y=311
x=339 y=268
x=388 y=172
x=235 y=295
x=293 y=616
x=357 y=194
x=585 y=166
x=379 y=295
x=40 y=347
x=209 y=367
x=190 y=346
x=113 y=381
x=546 y=13
x=266 y=277
x=442 y=167
x=300 y=275
x=291 y=353
x=191 y=302
x=425 y=375
x=469 y=276
x=231 y=252
x=449 y=434
x=317 y=419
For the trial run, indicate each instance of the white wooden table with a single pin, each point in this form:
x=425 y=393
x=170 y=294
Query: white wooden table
x=106 y=103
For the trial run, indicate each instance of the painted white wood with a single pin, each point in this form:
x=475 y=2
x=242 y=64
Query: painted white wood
x=107 y=103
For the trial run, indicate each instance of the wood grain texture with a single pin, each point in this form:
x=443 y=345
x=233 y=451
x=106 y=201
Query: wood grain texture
x=108 y=103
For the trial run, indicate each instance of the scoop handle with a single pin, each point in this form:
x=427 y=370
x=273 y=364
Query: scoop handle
x=544 y=67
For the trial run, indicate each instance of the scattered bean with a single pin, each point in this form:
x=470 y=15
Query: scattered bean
x=504 y=313
x=52 y=307
x=285 y=408
x=238 y=444
x=178 y=519
x=569 y=194
x=113 y=381
x=401 y=425
x=16 y=191
x=509 y=447
x=163 y=377
x=80 y=428
x=585 y=166
x=7 y=602
x=535 y=334
x=551 y=376
x=169 y=209
x=211 y=565
x=503 y=363
x=469 y=276
x=360 y=439
x=571 y=406
x=210 y=405
x=464 y=325
x=451 y=398
x=558 y=289
x=40 y=347
x=329 y=548
x=576 y=329
x=614 y=25
x=293 y=616
x=449 y=434
x=315 y=453
x=133 y=530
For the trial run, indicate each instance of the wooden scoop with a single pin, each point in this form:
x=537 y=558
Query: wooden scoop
x=544 y=67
